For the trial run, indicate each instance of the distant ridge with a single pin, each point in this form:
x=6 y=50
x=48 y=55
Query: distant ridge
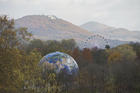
x=95 y=26
x=112 y=32
x=51 y=27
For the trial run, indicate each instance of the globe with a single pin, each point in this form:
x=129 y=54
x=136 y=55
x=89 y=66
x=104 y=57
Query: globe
x=59 y=62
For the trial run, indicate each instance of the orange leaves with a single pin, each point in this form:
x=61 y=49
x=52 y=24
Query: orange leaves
x=87 y=55
x=114 y=56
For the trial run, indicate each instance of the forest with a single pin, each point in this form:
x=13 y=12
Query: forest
x=109 y=70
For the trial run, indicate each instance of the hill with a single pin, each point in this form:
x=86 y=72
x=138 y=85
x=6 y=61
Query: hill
x=112 y=32
x=53 y=28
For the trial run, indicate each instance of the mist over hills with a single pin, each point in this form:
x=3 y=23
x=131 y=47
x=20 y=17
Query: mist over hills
x=93 y=26
x=112 y=32
x=53 y=28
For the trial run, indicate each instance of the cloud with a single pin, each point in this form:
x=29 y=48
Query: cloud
x=118 y=13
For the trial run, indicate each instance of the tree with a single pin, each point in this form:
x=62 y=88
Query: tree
x=115 y=56
x=136 y=47
x=122 y=52
x=19 y=70
x=86 y=54
x=9 y=36
x=69 y=44
x=107 y=46
x=11 y=40
x=37 y=45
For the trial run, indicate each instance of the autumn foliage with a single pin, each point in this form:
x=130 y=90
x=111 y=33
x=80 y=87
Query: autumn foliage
x=110 y=70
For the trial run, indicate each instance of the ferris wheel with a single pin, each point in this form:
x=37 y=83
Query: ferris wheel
x=95 y=40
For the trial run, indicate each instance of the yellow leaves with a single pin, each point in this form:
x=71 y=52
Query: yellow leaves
x=114 y=56
x=18 y=68
x=1 y=40
x=52 y=77
x=52 y=85
x=122 y=52
x=10 y=37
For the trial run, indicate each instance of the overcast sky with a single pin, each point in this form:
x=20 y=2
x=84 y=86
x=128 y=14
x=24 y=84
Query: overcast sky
x=117 y=13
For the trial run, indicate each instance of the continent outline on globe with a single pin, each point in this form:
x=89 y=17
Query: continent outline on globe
x=59 y=62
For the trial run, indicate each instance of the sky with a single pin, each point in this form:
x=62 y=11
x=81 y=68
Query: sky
x=116 y=13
